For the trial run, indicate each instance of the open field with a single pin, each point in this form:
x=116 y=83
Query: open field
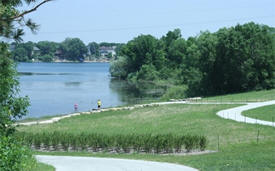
x=266 y=113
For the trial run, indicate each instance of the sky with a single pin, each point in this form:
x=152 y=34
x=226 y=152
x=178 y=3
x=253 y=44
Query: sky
x=122 y=20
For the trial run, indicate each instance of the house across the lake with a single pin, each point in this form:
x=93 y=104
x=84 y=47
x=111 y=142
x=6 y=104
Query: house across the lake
x=104 y=51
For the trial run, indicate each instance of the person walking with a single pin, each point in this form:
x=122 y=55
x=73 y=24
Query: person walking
x=98 y=104
x=75 y=107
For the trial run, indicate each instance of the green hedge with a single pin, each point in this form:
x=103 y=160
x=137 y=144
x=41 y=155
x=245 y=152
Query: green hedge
x=166 y=143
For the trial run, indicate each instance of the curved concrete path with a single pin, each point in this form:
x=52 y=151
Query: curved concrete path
x=235 y=113
x=67 y=163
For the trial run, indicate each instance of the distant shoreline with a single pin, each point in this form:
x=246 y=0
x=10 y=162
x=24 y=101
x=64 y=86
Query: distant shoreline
x=80 y=62
x=67 y=62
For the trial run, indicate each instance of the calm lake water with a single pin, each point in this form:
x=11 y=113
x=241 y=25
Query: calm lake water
x=54 y=88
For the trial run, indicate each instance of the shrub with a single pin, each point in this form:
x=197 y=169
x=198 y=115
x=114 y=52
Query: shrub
x=14 y=156
x=46 y=58
x=175 y=92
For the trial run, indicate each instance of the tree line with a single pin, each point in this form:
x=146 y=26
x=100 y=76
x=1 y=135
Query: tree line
x=235 y=59
x=71 y=49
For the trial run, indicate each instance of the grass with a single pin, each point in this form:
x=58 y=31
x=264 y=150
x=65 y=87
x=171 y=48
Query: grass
x=266 y=113
x=246 y=157
x=43 y=167
x=235 y=142
x=253 y=96
x=176 y=119
x=43 y=118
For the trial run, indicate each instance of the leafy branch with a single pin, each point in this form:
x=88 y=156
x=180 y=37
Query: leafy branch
x=31 y=10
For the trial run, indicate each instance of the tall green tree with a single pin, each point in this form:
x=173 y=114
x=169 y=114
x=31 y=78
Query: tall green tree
x=47 y=47
x=20 y=55
x=170 y=37
x=94 y=48
x=144 y=49
x=244 y=59
x=22 y=52
x=11 y=105
x=73 y=49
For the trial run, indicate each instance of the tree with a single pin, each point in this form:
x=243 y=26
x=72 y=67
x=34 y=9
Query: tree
x=118 y=68
x=73 y=49
x=176 y=52
x=94 y=48
x=12 y=22
x=20 y=55
x=244 y=60
x=47 y=48
x=13 y=156
x=45 y=58
x=11 y=18
x=12 y=106
x=170 y=37
x=144 y=49
x=23 y=52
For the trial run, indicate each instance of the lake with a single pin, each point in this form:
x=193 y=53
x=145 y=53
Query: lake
x=54 y=88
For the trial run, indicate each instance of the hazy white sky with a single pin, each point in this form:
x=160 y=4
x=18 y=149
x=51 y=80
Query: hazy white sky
x=122 y=20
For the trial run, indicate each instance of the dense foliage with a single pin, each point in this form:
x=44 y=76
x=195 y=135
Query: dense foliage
x=12 y=106
x=14 y=156
x=234 y=59
x=148 y=143
x=73 y=49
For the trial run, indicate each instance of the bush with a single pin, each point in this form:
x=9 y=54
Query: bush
x=175 y=92
x=147 y=73
x=118 y=68
x=14 y=156
x=45 y=58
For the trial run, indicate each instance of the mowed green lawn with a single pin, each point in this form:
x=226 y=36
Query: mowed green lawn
x=43 y=167
x=253 y=96
x=266 y=113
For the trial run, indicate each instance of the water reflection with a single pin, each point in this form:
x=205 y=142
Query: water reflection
x=136 y=93
x=72 y=84
x=35 y=73
x=54 y=88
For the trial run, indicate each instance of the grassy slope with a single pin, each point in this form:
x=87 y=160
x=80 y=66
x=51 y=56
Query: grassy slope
x=253 y=96
x=266 y=113
x=43 y=167
x=238 y=148
x=176 y=119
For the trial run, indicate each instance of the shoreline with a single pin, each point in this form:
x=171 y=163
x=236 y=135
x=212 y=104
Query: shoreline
x=68 y=62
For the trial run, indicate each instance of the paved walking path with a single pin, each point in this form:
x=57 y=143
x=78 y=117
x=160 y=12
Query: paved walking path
x=235 y=113
x=67 y=163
